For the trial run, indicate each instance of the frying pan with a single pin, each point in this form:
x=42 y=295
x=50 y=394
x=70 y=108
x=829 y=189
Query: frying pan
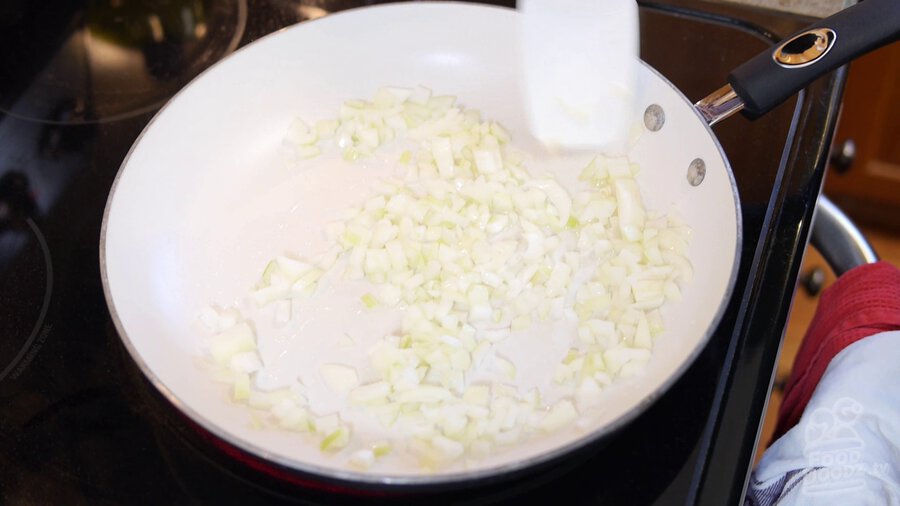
x=205 y=197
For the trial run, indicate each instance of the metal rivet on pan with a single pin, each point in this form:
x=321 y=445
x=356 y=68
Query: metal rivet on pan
x=654 y=117
x=696 y=172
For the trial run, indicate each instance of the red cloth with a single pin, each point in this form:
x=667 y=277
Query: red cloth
x=862 y=302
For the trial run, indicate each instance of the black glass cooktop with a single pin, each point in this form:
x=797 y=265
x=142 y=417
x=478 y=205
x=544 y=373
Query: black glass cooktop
x=80 y=425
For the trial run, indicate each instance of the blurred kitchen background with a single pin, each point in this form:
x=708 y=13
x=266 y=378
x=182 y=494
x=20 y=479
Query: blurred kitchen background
x=863 y=179
x=816 y=8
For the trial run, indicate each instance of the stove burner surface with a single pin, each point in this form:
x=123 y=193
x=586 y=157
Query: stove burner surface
x=30 y=276
x=102 y=60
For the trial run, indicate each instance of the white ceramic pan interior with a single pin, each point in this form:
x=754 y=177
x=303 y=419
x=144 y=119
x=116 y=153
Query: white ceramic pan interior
x=207 y=196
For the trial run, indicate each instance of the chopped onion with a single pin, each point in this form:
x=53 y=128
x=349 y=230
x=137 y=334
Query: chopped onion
x=336 y=440
x=381 y=448
x=561 y=414
x=362 y=459
x=372 y=393
x=474 y=250
x=237 y=339
x=339 y=377
x=300 y=134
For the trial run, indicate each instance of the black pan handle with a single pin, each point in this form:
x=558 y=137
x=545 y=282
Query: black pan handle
x=774 y=75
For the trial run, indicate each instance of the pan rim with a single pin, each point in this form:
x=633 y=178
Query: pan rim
x=437 y=479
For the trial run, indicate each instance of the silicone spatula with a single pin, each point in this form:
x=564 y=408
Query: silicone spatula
x=579 y=68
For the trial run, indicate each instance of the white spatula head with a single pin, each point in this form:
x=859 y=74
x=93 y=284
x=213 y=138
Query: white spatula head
x=579 y=62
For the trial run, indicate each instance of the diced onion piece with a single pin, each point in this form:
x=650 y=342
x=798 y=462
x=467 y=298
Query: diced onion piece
x=267 y=380
x=237 y=339
x=447 y=448
x=559 y=197
x=241 y=389
x=630 y=208
x=505 y=367
x=425 y=394
x=386 y=414
x=400 y=94
x=617 y=357
x=671 y=291
x=209 y=316
x=228 y=318
x=327 y=424
x=642 y=336
x=443 y=156
x=291 y=267
x=369 y=300
x=325 y=128
x=372 y=393
x=618 y=167
x=381 y=448
x=419 y=95
x=246 y=362
x=588 y=392
x=488 y=161
x=269 y=294
x=478 y=394
x=290 y=415
x=362 y=459
x=300 y=134
x=561 y=414
x=336 y=439
x=339 y=377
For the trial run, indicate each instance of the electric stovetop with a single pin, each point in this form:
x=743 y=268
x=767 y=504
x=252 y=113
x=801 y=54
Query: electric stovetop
x=78 y=423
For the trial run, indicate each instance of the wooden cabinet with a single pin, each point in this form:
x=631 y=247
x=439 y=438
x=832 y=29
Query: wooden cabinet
x=870 y=190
